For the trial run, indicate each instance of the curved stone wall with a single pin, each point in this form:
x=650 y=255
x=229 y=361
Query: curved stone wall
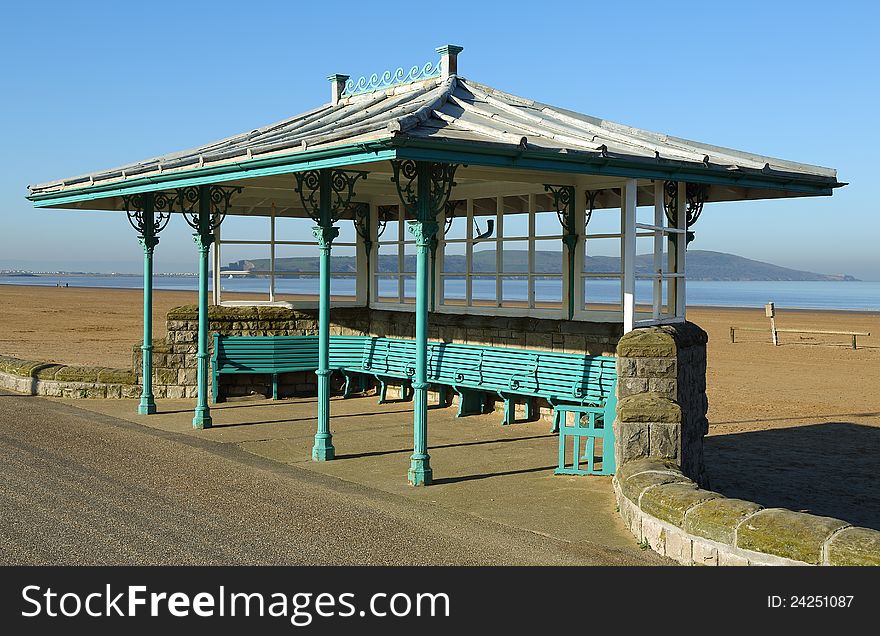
x=673 y=516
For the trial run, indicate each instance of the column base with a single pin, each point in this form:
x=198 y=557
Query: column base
x=202 y=418
x=323 y=450
x=420 y=473
x=147 y=407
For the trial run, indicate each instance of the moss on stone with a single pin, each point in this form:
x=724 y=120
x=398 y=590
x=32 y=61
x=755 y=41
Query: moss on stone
x=643 y=464
x=648 y=407
x=670 y=502
x=650 y=342
x=27 y=368
x=717 y=519
x=793 y=535
x=855 y=546
x=47 y=371
x=78 y=374
x=634 y=486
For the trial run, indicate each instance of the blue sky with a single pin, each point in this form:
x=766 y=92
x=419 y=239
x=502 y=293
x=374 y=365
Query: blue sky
x=92 y=85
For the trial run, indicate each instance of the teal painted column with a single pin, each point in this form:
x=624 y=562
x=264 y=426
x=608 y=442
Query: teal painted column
x=325 y=195
x=323 y=449
x=420 y=473
x=423 y=188
x=203 y=239
x=148 y=241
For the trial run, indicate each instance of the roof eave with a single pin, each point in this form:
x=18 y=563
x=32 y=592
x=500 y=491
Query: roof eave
x=505 y=155
x=336 y=156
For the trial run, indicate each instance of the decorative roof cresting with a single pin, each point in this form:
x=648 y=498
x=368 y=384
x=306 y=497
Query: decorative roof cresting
x=443 y=67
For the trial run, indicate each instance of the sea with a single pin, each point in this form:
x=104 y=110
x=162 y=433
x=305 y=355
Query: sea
x=829 y=295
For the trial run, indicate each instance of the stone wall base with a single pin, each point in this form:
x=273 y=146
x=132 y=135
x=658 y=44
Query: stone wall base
x=670 y=514
x=60 y=388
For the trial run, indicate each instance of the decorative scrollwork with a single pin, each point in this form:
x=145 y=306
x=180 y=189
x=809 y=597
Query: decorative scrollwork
x=148 y=220
x=450 y=215
x=410 y=176
x=563 y=202
x=218 y=199
x=336 y=185
x=696 y=195
x=592 y=195
x=387 y=79
x=384 y=214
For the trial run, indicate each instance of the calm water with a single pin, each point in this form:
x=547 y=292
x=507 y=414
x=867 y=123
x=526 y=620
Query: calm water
x=863 y=296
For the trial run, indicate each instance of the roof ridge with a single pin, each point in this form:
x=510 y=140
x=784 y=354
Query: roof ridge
x=426 y=110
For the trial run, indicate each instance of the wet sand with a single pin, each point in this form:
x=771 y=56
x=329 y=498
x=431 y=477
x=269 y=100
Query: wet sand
x=796 y=426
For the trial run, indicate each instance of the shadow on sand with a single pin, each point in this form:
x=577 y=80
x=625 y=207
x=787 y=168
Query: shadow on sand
x=827 y=469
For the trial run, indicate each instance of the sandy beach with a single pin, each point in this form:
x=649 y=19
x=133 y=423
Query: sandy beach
x=796 y=426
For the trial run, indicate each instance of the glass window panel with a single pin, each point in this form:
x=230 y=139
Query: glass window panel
x=343 y=259
x=515 y=257
x=409 y=289
x=245 y=228
x=409 y=258
x=297 y=258
x=387 y=290
x=454 y=258
x=645 y=255
x=602 y=294
x=390 y=231
x=606 y=221
x=454 y=290
x=483 y=291
x=548 y=257
x=293 y=286
x=244 y=257
x=602 y=255
x=458 y=225
x=547 y=224
x=515 y=291
x=645 y=214
x=289 y=229
x=343 y=288
x=515 y=225
x=484 y=257
x=548 y=292
x=388 y=261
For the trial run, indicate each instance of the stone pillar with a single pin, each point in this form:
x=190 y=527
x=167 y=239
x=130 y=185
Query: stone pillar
x=661 y=389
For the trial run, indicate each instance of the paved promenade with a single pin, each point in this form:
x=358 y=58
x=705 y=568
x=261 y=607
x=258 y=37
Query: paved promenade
x=89 y=482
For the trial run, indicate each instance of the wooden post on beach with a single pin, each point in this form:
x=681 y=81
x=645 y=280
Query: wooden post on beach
x=770 y=311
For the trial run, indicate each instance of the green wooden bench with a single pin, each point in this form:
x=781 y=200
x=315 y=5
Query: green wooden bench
x=577 y=385
x=270 y=355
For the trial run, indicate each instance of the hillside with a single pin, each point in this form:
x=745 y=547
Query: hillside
x=701 y=265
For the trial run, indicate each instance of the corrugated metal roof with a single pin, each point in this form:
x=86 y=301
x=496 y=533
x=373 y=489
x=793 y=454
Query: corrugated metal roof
x=456 y=109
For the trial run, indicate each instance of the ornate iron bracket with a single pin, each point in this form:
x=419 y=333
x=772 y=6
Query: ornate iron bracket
x=415 y=179
x=450 y=215
x=362 y=227
x=219 y=197
x=148 y=227
x=592 y=195
x=695 y=194
x=336 y=185
x=563 y=202
x=384 y=213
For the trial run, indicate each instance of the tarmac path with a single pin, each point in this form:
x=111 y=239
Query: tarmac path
x=82 y=488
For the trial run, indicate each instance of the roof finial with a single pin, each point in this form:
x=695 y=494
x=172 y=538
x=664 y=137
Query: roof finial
x=449 y=59
x=337 y=85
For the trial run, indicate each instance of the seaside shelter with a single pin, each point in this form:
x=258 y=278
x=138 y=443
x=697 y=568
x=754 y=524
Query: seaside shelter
x=442 y=198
